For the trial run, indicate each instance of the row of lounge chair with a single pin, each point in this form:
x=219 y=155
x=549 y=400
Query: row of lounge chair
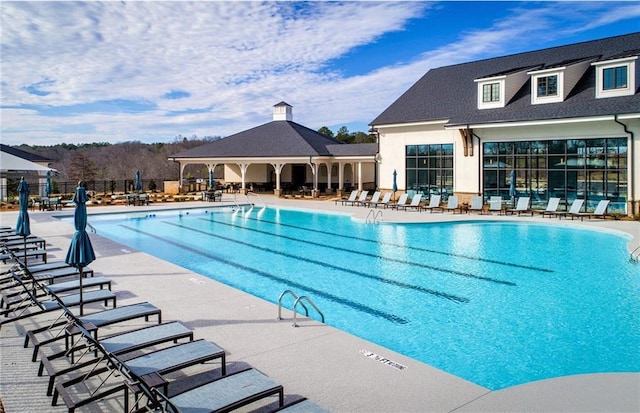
x=104 y=357
x=495 y=204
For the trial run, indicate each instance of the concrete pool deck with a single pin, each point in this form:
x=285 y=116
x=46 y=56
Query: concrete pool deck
x=314 y=360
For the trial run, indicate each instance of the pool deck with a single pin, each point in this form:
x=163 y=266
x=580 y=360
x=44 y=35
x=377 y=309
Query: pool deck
x=314 y=360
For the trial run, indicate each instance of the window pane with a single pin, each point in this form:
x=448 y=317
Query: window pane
x=411 y=150
x=614 y=78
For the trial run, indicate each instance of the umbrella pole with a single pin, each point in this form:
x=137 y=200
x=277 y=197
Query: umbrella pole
x=81 y=299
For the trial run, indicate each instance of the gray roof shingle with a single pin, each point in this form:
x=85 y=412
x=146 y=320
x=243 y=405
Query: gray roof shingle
x=275 y=139
x=449 y=93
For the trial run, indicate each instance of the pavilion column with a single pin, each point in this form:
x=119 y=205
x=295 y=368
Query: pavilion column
x=329 y=168
x=243 y=172
x=359 y=176
x=182 y=166
x=340 y=190
x=277 y=167
x=314 y=171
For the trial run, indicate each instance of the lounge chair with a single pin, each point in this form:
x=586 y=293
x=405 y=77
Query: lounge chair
x=495 y=204
x=575 y=208
x=99 y=319
x=452 y=204
x=401 y=201
x=13 y=255
x=552 y=207
x=383 y=203
x=361 y=199
x=600 y=211
x=415 y=203
x=374 y=199
x=477 y=204
x=117 y=344
x=434 y=203
x=223 y=394
x=352 y=198
x=29 y=299
x=521 y=207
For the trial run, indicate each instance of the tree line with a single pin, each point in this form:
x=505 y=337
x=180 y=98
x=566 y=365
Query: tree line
x=104 y=161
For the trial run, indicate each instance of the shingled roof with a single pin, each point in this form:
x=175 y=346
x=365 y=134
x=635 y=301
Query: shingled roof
x=449 y=93
x=278 y=138
x=29 y=156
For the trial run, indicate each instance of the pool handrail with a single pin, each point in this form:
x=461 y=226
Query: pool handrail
x=295 y=297
x=299 y=301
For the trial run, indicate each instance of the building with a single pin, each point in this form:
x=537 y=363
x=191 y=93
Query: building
x=282 y=156
x=565 y=121
x=16 y=163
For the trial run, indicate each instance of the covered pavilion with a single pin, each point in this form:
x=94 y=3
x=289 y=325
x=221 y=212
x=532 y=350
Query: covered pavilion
x=282 y=155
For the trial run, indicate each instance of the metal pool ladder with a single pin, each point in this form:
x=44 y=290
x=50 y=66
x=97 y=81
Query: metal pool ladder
x=635 y=255
x=374 y=216
x=299 y=300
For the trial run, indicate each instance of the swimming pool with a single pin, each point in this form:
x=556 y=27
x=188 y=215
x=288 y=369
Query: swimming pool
x=496 y=303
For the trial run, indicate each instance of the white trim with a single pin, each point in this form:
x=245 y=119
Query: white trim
x=409 y=124
x=500 y=103
x=539 y=122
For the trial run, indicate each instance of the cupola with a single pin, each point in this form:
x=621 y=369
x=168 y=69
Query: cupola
x=283 y=111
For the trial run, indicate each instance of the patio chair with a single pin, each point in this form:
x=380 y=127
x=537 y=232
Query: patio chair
x=521 y=207
x=401 y=201
x=434 y=203
x=575 y=208
x=600 y=211
x=374 y=199
x=223 y=394
x=495 y=204
x=552 y=207
x=452 y=204
x=384 y=202
x=415 y=203
x=477 y=204
x=352 y=198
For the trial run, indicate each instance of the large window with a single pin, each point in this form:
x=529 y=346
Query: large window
x=590 y=169
x=429 y=169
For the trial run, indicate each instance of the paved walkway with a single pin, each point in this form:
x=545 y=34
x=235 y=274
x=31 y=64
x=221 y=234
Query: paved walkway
x=315 y=360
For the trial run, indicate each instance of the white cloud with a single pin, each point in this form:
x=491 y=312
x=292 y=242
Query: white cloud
x=236 y=58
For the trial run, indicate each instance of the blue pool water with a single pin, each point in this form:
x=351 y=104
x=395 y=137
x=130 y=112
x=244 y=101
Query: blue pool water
x=496 y=303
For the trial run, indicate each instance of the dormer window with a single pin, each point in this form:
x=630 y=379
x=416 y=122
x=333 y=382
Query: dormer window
x=547 y=86
x=491 y=92
x=615 y=77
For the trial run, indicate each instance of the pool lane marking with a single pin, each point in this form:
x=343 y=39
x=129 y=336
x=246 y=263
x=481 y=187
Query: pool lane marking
x=325 y=264
x=451 y=254
x=366 y=254
x=346 y=302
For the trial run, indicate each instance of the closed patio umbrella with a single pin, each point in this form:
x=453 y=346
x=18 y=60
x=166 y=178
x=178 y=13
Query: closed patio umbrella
x=48 y=188
x=395 y=184
x=23 y=228
x=138 y=185
x=210 y=178
x=80 y=253
x=512 y=186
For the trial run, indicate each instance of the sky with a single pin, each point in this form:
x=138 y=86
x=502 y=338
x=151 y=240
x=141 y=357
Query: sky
x=152 y=71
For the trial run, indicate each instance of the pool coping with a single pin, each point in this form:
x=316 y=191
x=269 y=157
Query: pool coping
x=336 y=369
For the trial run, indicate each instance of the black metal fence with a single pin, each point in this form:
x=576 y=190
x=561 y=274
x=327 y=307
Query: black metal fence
x=67 y=188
